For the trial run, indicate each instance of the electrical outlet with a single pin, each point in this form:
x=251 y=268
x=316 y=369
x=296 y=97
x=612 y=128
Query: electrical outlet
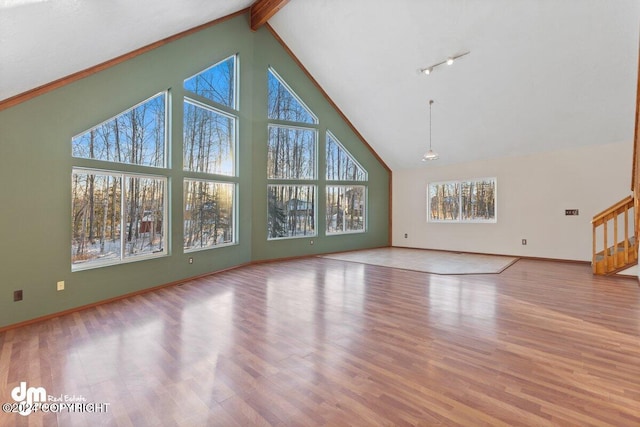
x=406 y=235
x=190 y=260
x=524 y=241
x=311 y=242
x=60 y=285
x=17 y=295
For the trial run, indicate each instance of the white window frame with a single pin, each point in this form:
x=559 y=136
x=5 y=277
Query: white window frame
x=167 y=117
x=234 y=129
x=315 y=208
x=353 y=159
x=236 y=81
x=346 y=183
x=165 y=228
x=295 y=96
x=314 y=176
x=460 y=220
x=234 y=213
x=365 y=210
x=230 y=112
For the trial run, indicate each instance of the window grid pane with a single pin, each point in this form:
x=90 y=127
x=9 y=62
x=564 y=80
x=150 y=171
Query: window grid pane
x=291 y=211
x=478 y=200
x=208 y=214
x=209 y=140
x=291 y=153
x=112 y=221
x=341 y=166
x=96 y=218
x=444 y=201
x=284 y=104
x=345 y=208
x=217 y=83
x=144 y=213
x=136 y=136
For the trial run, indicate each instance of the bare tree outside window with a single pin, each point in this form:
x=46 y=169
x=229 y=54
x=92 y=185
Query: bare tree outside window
x=136 y=136
x=144 y=215
x=208 y=214
x=116 y=215
x=209 y=140
x=209 y=147
x=284 y=104
x=478 y=200
x=462 y=201
x=217 y=83
x=291 y=211
x=291 y=155
x=346 y=207
x=97 y=196
x=341 y=166
x=104 y=233
x=345 y=203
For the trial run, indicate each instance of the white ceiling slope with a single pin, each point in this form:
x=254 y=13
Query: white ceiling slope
x=542 y=74
x=44 y=40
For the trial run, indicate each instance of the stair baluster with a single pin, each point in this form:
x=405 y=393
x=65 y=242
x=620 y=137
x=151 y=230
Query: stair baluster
x=610 y=259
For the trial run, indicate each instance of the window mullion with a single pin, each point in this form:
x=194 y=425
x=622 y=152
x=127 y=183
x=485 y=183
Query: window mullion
x=123 y=222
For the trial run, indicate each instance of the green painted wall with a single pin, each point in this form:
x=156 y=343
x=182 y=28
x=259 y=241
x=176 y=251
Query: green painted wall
x=36 y=164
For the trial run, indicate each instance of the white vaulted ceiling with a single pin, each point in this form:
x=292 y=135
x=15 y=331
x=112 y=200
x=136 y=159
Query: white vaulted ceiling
x=44 y=40
x=542 y=74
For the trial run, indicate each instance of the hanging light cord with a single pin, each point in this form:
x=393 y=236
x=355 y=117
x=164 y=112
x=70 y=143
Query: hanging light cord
x=430 y=155
x=430 y=102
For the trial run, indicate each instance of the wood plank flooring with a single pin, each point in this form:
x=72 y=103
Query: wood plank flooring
x=321 y=342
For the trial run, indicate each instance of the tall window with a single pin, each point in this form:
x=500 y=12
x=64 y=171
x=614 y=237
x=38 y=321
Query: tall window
x=345 y=196
x=291 y=163
x=209 y=156
x=118 y=215
x=208 y=213
x=462 y=201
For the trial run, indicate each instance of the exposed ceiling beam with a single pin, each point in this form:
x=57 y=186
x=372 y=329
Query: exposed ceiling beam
x=262 y=10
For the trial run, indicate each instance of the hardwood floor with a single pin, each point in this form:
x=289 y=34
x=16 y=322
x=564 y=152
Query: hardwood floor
x=325 y=342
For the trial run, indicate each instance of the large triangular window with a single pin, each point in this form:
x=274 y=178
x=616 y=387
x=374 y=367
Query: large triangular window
x=136 y=136
x=284 y=104
x=346 y=203
x=341 y=166
x=217 y=83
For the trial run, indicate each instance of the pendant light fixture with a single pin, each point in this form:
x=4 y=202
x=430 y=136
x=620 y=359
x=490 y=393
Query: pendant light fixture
x=430 y=155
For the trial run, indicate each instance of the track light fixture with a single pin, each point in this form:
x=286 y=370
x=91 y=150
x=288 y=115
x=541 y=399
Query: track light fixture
x=450 y=60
